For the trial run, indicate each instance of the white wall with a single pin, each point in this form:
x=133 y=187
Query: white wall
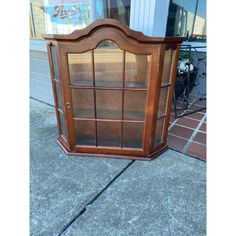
x=149 y=16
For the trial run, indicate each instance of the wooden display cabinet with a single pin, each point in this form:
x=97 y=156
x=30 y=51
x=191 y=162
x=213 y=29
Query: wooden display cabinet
x=113 y=90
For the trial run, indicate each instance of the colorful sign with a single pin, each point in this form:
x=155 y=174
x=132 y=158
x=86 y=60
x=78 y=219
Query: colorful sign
x=60 y=2
x=75 y=14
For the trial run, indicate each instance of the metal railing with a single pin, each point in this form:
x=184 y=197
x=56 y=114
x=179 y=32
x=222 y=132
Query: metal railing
x=185 y=102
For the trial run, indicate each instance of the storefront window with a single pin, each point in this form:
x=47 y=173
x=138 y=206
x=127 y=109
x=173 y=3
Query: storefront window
x=181 y=17
x=186 y=18
x=115 y=9
x=199 y=31
x=65 y=16
x=37 y=19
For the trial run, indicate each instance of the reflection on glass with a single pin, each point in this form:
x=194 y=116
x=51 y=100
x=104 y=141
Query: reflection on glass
x=109 y=133
x=134 y=105
x=167 y=67
x=63 y=17
x=59 y=98
x=119 y=10
x=85 y=132
x=162 y=102
x=83 y=103
x=81 y=70
x=158 y=132
x=137 y=70
x=37 y=19
x=55 y=64
x=133 y=135
x=108 y=59
x=199 y=31
x=58 y=17
x=62 y=121
x=181 y=18
x=108 y=104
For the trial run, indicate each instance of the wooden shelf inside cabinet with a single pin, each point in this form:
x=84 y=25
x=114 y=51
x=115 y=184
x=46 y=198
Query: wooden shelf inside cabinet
x=106 y=84
x=113 y=90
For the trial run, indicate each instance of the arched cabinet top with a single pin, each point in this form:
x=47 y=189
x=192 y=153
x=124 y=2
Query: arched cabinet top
x=111 y=23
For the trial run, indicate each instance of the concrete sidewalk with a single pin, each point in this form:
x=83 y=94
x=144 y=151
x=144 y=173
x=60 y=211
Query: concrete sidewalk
x=89 y=196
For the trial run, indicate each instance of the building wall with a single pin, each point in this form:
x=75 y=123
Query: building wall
x=149 y=17
x=40 y=81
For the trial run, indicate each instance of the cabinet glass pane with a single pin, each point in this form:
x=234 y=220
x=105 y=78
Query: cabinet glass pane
x=133 y=135
x=134 y=105
x=162 y=102
x=62 y=121
x=59 y=98
x=137 y=70
x=81 y=69
x=158 y=132
x=85 y=132
x=167 y=67
x=108 y=104
x=54 y=61
x=83 y=103
x=109 y=133
x=108 y=59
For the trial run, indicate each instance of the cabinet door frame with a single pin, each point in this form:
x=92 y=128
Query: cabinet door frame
x=61 y=136
x=88 y=44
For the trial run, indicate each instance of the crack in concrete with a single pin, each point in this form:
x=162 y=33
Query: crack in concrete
x=93 y=200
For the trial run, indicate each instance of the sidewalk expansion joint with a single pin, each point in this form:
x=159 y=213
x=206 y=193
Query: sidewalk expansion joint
x=193 y=134
x=199 y=159
x=42 y=102
x=94 y=199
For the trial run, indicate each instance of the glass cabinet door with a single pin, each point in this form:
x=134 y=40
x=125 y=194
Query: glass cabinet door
x=161 y=117
x=108 y=64
x=80 y=68
x=109 y=90
x=58 y=94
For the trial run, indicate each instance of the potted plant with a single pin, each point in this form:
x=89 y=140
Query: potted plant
x=186 y=75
